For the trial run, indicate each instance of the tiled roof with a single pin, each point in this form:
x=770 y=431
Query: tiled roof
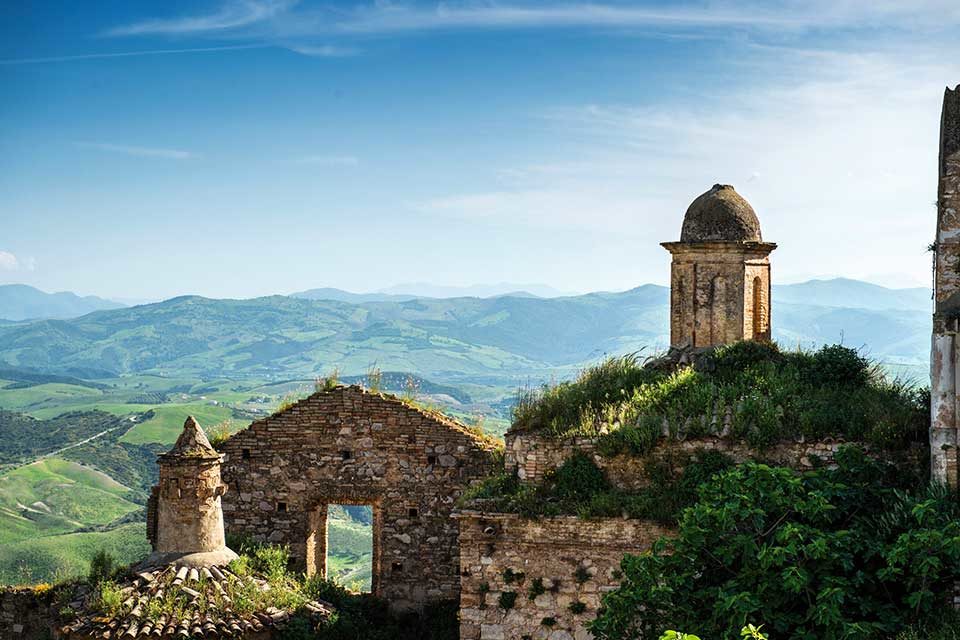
x=204 y=607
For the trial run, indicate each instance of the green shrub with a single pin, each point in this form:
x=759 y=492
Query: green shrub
x=536 y=588
x=218 y=434
x=947 y=628
x=562 y=406
x=548 y=622
x=366 y=617
x=579 y=487
x=578 y=478
x=510 y=576
x=103 y=566
x=507 y=600
x=576 y=607
x=109 y=598
x=271 y=561
x=844 y=553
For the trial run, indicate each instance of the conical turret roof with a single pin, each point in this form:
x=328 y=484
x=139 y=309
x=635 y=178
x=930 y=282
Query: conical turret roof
x=191 y=444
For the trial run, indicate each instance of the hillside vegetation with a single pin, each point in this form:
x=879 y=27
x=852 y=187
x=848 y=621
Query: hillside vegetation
x=749 y=391
x=449 y=340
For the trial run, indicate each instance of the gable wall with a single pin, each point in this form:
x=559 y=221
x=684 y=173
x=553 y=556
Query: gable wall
x=400 y=459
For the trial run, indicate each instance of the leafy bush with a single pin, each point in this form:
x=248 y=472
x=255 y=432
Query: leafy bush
x=842 y=553
x=579 y=487
x=218 y=434
x=103 y=566
x=366 y=617
x=109 y=598
x=751 y=391
x=578 y=478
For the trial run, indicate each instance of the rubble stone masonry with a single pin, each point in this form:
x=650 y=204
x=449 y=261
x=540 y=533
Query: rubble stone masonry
x=532 y=455
x=351 y=446
x=557 y=567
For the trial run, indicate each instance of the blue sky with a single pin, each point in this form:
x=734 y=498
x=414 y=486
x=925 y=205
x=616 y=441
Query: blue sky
x=241 y=148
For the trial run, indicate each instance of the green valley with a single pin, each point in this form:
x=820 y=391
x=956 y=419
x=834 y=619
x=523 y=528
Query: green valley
x=86 y=404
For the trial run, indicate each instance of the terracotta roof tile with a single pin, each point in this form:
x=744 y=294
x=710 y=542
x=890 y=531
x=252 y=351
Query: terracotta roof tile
x=206 y=612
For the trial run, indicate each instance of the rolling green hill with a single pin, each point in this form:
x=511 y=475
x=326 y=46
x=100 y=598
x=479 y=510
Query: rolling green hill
x=127 y=378
x=458 y=339
x=57 y=496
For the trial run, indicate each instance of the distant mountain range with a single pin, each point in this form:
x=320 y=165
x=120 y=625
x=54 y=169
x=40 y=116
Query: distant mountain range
x=842 y=292
x=455 y=339
x=424 y=290
x=22 y=302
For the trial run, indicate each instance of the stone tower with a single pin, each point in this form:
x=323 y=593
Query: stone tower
x=945 y=351
x=184 y=516
x=720 y=275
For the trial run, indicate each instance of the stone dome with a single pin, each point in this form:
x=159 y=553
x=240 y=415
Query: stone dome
x=720 y=215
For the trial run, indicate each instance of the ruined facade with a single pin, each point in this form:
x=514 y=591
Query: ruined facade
x=184 y=514
x=541 y=578
x=188 y=587
x=945 y=350
x=350 y=446
x=720 y=274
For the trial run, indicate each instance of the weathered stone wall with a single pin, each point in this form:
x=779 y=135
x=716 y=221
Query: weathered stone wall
x=349 y=446
x=945 y=348
x=532 y=455
x=575 y=561
x=188 y=516
x=26 y=613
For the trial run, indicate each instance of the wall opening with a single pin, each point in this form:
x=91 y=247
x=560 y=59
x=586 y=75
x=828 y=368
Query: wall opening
x=349 y=552
x=759 y=310
x=718 y=311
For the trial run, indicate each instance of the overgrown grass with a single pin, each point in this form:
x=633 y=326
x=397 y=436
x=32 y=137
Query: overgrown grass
x=357 y=616
x=578 y=487
x=750 y=391
x=947 y=628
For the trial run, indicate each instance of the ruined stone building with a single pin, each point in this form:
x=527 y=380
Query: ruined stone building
x=945 y=351
x=349 y=446
x=720 y=275
x=185 y=589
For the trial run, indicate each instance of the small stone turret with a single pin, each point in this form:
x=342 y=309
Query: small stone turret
x=184 y=516
x=720 y=275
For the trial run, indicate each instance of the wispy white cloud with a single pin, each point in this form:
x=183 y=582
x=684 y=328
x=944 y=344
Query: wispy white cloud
x=324 y=51
x=277 y=18
x=835 y=150
x=129 y=54
x=330 y=160
x=143 y=152
x=231 y=15
x=10 y=262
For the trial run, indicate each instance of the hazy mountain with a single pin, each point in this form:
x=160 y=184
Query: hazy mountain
x=329 y=293
x=427 y=290
x=841 y=292
x=22 y=302
x=503 y=337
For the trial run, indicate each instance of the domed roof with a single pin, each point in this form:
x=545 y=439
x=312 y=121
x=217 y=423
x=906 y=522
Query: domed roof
x=720 y=215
